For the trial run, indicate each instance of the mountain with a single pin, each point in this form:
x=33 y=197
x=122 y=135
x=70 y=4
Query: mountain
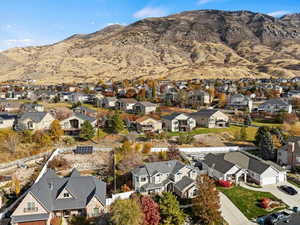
x=193 y=44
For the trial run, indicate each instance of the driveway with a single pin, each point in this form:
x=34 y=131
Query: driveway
x=231 y=213
x=290 y=200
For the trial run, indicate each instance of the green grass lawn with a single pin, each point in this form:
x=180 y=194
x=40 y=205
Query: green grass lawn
x=251 y=131
x=248 y=201
x=261 y=124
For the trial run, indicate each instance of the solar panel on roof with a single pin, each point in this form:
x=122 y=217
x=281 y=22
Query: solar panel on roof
x=84 y=150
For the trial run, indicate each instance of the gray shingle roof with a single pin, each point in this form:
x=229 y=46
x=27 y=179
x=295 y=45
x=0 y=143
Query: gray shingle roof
x=84 y=117
x=275 y=101
x=204 y=113
x=82 y=189
x=172 y=116
x=34 y=116
x=184 y=183
x=218 y=163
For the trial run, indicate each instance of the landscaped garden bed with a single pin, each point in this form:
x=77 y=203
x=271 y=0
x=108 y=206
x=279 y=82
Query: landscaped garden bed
x=249 y=201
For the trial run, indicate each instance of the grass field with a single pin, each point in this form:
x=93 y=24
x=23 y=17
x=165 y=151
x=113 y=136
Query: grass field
x=267 y=124
x=248 y=201
x=251 y=131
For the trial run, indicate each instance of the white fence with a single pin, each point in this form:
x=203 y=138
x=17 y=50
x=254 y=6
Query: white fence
x=124 y=195
x=208 y=149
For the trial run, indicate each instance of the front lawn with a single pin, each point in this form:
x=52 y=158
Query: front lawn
x=265 y=124
x=248 y=201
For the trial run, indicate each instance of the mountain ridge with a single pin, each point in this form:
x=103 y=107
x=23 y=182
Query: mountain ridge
x=191 y=44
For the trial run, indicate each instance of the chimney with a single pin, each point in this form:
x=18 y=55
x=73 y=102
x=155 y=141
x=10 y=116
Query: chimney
x=291 y=156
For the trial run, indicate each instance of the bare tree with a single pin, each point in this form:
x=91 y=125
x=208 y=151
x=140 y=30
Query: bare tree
x=10 y=142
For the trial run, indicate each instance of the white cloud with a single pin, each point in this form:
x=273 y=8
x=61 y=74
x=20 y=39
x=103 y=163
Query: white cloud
x=150 y=12
x=279 y=13
x=115 y=23
x=202 y=2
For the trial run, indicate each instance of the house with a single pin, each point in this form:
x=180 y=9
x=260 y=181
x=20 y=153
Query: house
x=144 y=108
x=34 y=121
x=289 y=154
x=72 y=125
x=210 y=118
x=54 y=196
x=198 y=97
x=10 y=106
x=178 y=122
x=239 y=101
x=275 y=106
x=7 y=120
x=109 y=102
x=147 y=124
x=125 y=104
x=173 y=176
x=242 y=166
x=85 y=111
x=30 y=107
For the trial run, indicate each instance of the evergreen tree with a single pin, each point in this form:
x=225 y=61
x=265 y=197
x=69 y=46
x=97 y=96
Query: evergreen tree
x=117 y=124
x=259 y=134
x=87 y=131
x=170 y=212
x=55 y=130
x=248 y=120
x=126 y=212
x=266 y=146
x=206 y=206
x=243 y=134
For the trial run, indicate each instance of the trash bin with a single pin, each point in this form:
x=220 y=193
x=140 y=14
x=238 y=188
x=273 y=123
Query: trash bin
x=295 y=209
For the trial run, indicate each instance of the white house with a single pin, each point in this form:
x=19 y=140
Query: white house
x=275 y=106
x=178 y=122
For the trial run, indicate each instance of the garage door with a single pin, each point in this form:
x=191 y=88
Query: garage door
x=269 y=180
x=34 y=223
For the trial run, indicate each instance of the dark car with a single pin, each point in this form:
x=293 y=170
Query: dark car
x=287 y=189
x=274 y=218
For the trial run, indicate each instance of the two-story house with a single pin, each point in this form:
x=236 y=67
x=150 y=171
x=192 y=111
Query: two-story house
x=289 y=154
x=54 y=196
x=210 y=118
x=178 y=122
x=72 y=125
x=144 y=108
x=199 y=97
x=173 y=176
x=275 y=106
x=125 y=104
x=239 y=101
x=146 y=124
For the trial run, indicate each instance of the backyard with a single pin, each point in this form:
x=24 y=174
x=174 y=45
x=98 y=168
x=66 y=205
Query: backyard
x=248 y=201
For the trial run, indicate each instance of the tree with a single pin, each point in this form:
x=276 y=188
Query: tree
x=259 y=134
x=170 y=212
x=17 y=185
x=185 y=138
x=117 y=123
x=206 y=206
x=41 y=138
x=55 y=130
x=151 y=211
x=247 y=120
x=126 y=212
x=80 y=220
x=266 y=146
x=9 y=141
x=87 y=131
x=173 y=153
x=222 y=100
x=243 y=134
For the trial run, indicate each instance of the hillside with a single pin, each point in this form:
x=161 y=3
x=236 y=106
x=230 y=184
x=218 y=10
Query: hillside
x=194 y=44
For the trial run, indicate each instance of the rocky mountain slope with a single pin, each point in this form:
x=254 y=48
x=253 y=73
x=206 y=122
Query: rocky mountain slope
x=194 y=44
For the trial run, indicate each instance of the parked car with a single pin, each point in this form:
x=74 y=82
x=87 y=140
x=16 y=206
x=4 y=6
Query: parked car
x=287 y=189
x=274 y=218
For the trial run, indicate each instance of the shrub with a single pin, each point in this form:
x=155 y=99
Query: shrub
x=58 y=163
x=147 y=148
x=69 y=140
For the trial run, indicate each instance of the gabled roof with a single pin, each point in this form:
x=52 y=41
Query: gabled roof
x=82 y=188
x=275 y=101
x=84 y=117
x=205 y=112
x=184 y=183
x=34 y=116
x=216 y=162
x=128 y=100
x=173 y=115
x=150 y=169
x=146 y=104
x=31 y=218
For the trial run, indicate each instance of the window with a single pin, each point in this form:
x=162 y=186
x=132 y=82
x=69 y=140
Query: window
x=30 y=207
x=143 y=179
x=66 y=195
x=30 y=125
x=95 y=212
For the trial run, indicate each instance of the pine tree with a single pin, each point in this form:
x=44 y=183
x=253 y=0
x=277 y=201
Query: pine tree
x=87 y=131
x=117 y=123
x=247 y=120
x=243 y=134
x=55 y=130
x=206 y=206
x=259 y=134
x=170 y=212
x=266 y=147
x=126 y=212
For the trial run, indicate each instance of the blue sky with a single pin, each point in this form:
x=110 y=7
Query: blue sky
x=38 y=22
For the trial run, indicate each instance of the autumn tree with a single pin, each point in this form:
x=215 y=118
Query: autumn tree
x=126 y=212
x=170 y=212
x=222 y=100
x=206 y=206
x=185 y=138
x=41 y=138
x=17 y=185
x=87 y=131
x=151 y=211
x=9 y=141
x=56 y=131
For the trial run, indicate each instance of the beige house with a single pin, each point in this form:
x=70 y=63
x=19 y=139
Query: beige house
x=35 y=121
x=210 y=118
x=72 y=125
x=54 y=196
x=178 y=122
x=144 y=108
x=147 y=124
x=173 y=176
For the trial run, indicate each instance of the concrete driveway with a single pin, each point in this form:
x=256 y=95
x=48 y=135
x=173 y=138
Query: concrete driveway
x=231 y=213
x=290 y=200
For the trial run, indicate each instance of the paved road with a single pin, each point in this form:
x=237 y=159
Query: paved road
x=290 y=200
x=231 y=213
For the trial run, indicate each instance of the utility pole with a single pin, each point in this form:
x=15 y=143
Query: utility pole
x=115 y=177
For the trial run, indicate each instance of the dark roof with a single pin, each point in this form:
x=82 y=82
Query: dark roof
x=6 y=116
x=172 y=116
x=184 y=183
x=204 y=113
x=82 y=189
x=275 y=101
x=216 y=162
x=84 y=117
x=31 y=218
x=34 y=116
x=149 y=169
